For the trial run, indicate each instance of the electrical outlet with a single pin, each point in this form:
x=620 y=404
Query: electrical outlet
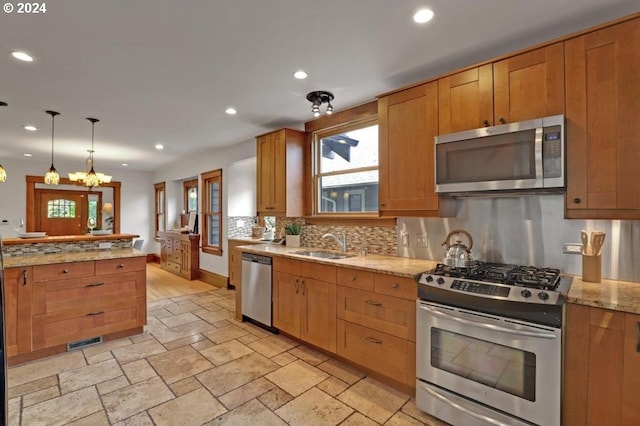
x=572 y=248
x=239 y=223
x=404 y=239
x=422 y=240
x=105 y=245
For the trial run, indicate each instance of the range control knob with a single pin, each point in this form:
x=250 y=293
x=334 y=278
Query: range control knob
x=440 y=280
x=543 y=296
x=429 y=278
x=525 y=293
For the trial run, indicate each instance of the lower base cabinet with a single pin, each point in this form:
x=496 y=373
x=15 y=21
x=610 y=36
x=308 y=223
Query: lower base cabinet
x=388 y=355
x=601 y=368
x=304 y=306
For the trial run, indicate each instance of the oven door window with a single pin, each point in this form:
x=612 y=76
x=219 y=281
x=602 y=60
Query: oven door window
x=501 y=367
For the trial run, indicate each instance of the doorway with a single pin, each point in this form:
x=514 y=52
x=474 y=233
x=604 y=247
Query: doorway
x=65 y=212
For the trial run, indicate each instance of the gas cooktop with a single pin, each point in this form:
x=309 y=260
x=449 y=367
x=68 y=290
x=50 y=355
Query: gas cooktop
x=526 y=284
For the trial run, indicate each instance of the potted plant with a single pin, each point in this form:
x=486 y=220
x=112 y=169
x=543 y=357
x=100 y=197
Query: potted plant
x=292 y=232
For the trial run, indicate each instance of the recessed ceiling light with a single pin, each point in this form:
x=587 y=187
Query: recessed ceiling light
x=30 y=128
x=423 y=15
x=300 y=75
x=231 y=111
x=124 y=164
x=26 y=154
x=23 y=56
x=159 y=146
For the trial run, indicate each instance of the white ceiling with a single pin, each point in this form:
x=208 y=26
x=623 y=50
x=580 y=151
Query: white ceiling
x=164 y=71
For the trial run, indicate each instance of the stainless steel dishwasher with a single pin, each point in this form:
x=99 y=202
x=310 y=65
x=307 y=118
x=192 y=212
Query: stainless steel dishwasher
x=256 y=289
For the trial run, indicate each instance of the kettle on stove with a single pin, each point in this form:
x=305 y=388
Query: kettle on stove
x=458 y=255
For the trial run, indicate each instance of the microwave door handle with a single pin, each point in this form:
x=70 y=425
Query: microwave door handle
x=537 y=148
x=491 y=327
x=481 y=417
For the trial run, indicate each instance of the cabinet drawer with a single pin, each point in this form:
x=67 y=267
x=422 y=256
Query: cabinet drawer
x=116 y=266
x=384 y=313
x=288 y=266
x=54 y=296
x=380 y=352
x=87 y=321
x=355 y=278
x=319 y=271
x=172 y=267
x=391 y=285
x=60 y=271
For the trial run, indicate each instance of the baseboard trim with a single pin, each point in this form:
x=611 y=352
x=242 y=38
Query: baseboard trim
x=211 y=278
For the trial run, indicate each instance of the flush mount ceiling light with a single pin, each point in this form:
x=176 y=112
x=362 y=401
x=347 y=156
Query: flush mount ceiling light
x=318 y=98
x=423 y=16
x=90 y=179
x=22 y=56
x=52 y=177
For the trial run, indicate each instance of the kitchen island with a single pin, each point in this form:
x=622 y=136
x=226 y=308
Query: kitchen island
x=58 y=300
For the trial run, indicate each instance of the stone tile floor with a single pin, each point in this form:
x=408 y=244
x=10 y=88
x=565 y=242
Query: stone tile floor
x=196 y=365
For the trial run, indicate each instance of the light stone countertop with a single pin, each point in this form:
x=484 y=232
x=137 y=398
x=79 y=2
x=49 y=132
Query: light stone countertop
x=609 y=294
x=67 y=257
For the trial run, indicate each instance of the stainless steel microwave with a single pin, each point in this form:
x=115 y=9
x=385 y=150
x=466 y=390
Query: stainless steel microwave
x=528 y=155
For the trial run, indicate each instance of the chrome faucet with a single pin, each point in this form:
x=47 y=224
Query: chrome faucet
x=341 y=242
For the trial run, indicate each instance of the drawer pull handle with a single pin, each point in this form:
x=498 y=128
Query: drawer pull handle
x=297 y=286
x=24 y=277
x=374 y=303
x=394 y=285
x=373 y=340
x=304 y=288
x=638 y=337
x=353 y=278
x=65 y=271
x=121 y=265
x=94 y=285
x=91 y=314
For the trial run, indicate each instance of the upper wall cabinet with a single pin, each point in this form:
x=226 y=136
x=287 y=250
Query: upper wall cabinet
x=603 y=123
x=408 y=123
x=280 y=173
x=522 y=87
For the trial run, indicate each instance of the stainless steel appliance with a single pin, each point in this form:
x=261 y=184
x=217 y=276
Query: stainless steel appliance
x=515 y=156
x=256 y=289
x=489 y=344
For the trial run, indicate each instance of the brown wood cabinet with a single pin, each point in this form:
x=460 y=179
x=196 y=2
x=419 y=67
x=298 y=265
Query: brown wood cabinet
x=407 y=123
x=179 y=253
x=304 y=301
x=235 y=271
x=601 y=368
x=280 y=173
x=377 y=323
x=18 y=286
x=522 y=87
x=603 y=126
x=79 y=300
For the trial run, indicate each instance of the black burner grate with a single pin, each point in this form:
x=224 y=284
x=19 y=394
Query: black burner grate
x=525 y=276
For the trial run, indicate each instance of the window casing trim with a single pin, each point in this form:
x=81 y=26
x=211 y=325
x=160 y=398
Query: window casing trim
x=208 y=178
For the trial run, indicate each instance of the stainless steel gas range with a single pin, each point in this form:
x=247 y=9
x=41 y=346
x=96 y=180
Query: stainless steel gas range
x=489 y=344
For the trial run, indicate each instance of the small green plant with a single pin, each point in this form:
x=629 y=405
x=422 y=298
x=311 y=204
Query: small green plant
x=293 y=229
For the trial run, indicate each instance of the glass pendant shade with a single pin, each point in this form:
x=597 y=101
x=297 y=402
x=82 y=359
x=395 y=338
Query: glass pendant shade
x=52 y=177
x=91 y=180
x=3 y=174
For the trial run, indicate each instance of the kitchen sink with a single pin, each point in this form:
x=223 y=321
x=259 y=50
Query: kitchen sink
x=322 y=254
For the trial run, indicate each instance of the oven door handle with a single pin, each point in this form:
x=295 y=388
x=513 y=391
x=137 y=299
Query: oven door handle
x=482 y=417
x=491 y=327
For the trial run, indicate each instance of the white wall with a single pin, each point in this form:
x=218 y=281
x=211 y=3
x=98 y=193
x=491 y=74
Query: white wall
x=136 y=195
x=186 y=168
x=241 y=193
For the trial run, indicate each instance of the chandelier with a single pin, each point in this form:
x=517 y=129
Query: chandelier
x=90 y=178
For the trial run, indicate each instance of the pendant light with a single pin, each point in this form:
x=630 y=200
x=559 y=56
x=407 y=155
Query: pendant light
x=52 y=177
x=92 y=180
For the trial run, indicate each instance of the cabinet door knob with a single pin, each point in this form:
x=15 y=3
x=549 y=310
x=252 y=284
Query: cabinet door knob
x=485 y=123
x=577 y=200
x=353 y=278
x=65 y=271
x=502 y=120
x=121 y=265
x=394 y=285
